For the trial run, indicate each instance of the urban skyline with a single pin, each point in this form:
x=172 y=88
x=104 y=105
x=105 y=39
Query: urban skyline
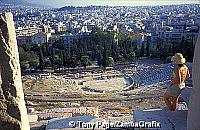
x=104 y=63
x=61 y=3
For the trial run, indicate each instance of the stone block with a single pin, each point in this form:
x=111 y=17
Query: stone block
x=13 y=114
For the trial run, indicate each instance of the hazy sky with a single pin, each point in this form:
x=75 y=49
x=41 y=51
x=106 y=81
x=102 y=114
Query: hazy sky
x=60 y=3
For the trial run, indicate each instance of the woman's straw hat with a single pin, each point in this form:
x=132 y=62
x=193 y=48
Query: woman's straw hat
x=178 y=59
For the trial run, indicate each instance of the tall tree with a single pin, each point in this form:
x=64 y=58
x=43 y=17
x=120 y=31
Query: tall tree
x=110 y=61
x=104 y=60
x=100 y=59
x=182 y=45
x=85 y=61
x=64 y=56
x=41 y=59
x=142 y=49
x=148 y=46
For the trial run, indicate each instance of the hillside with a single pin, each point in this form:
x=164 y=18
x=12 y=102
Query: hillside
x=19 y=2
x=13 y=1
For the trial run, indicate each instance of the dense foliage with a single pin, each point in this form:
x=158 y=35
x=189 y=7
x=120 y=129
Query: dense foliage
x=104 y=48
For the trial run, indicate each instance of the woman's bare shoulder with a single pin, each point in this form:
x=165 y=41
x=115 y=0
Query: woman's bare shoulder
x=185 y=66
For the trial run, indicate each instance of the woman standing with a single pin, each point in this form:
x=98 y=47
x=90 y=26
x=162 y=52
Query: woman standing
x=180 y=74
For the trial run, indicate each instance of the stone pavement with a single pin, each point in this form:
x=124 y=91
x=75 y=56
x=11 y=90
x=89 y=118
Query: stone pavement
x=169 y=120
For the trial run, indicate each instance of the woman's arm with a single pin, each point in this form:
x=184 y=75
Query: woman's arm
x=188 y=74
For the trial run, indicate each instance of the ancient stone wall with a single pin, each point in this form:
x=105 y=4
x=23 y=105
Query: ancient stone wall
x=13 y=114
x=194 y=103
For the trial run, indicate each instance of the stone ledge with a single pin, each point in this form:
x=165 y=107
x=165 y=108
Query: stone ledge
x=168 y=120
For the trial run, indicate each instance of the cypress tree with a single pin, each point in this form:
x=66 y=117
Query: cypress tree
x=142 y=50
x=41 y=59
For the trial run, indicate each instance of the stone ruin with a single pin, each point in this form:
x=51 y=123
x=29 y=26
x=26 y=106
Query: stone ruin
x=194 y=103
x=13 y=113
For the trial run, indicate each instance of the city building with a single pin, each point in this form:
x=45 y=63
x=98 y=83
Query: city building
x=40 y=38
x=28 y=31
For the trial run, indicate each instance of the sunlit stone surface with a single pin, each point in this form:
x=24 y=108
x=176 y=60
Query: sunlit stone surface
x=13 y=114
x=194 y=106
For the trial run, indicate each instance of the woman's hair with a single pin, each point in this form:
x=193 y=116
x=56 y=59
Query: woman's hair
x=180 y=65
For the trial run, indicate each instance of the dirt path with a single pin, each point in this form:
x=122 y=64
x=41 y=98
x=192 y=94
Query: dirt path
x=92 y=99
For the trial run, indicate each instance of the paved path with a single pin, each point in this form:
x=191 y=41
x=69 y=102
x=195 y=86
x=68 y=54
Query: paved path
x=176 y=120
x=92 y=99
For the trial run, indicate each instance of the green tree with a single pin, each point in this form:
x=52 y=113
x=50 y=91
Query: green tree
x=34 y=63
x=189 y=49
x=142 y=50
x=73 y=62
x=64 y=60
x=159 y=43
x=131 y=56
x=110 y=61
x=24 y=66
x=47 y=62
x=21 y=53
x=52 y=56
x=41 y=59
x=104 y=60
x=26 y=47
x=85 y=61
x=148 y=46
x=99 y=59
x=182 y=45
x=57 y=63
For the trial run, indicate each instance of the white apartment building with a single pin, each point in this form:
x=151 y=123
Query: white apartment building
x=28 y=31
x=40 y=38
x=70 y=38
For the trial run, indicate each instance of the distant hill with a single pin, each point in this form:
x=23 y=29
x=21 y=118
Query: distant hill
x=18 y=2
x=72 y=8
x=13 y=1
x=68 y=8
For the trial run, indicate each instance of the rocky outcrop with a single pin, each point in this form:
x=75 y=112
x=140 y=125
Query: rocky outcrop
x=194 y=104
x=13 y=114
